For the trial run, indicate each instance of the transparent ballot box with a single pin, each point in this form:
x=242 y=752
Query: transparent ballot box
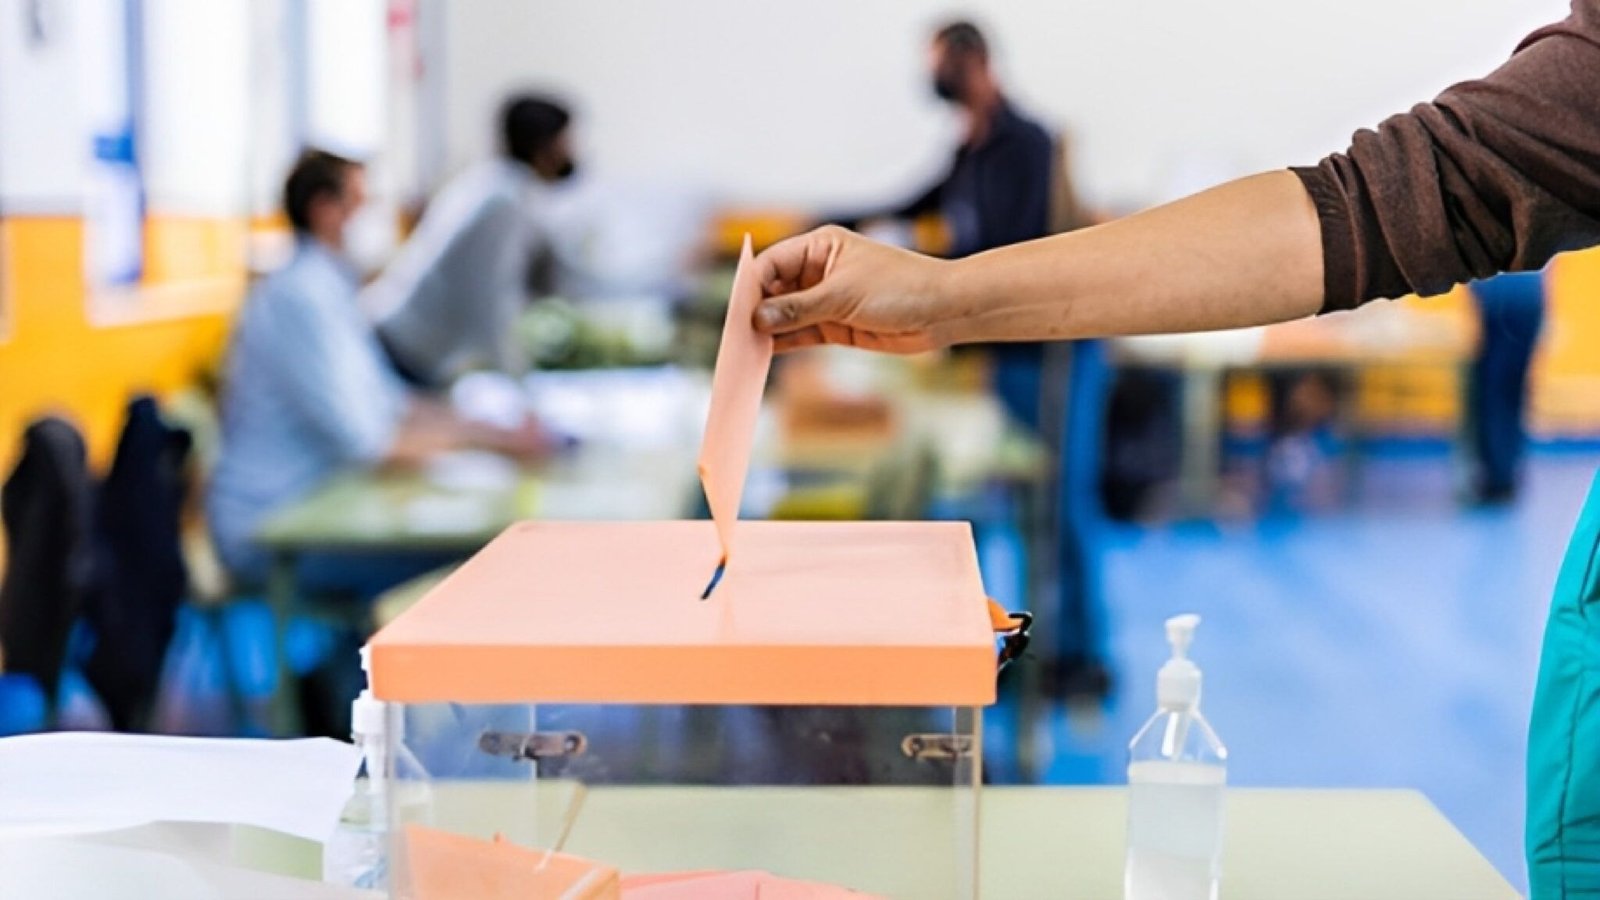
x=575 y=698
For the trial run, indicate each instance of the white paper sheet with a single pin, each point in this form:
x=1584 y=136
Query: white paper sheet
x=70 y=868
x=75 y=782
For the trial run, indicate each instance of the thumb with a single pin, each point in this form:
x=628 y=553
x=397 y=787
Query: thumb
x=785 y=313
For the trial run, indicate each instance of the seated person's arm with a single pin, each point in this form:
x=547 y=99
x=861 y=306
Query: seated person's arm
x=339 y=384
x=430 y=428
x=922 y=204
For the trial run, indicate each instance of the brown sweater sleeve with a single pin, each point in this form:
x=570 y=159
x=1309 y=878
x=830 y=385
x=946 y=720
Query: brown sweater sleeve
x=1494 y=175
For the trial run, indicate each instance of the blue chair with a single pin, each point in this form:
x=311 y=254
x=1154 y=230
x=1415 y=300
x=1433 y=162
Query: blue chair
x=23 y=708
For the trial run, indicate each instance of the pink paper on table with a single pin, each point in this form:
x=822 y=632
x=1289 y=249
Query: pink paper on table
x=446 y=866
x=743 y=360
x=731 y=886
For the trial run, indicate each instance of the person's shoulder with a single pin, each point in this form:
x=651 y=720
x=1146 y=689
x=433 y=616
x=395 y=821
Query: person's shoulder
x=302 y=287
x=1025 y=130
x=486 y=191
x=1031 y=130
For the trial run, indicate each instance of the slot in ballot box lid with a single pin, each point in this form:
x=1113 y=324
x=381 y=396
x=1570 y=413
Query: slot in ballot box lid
x=807 y=613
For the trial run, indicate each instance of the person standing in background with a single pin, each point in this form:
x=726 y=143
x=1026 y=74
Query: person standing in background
x=1511 y=314
x=450 y=300
x=998 y=191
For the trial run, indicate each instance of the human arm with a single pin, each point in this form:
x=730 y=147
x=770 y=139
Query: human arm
x=334 y=379
x=1239 y=254
x=1497 y=174
x=429 y=428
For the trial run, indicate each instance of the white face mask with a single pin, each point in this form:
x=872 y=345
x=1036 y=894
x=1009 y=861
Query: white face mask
x=370 y=237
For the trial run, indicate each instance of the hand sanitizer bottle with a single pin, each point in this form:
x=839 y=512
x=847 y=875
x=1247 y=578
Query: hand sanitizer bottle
x=1177 y=770
x=357 y=855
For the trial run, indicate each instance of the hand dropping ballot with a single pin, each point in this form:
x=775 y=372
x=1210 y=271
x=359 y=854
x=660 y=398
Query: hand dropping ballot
x=556 y=631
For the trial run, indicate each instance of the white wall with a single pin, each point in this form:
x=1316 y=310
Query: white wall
x=824 y=102
x=56 y=87
x=197 y=106
x=44 y=151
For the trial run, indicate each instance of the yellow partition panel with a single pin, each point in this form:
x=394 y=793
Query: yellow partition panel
x=55 y=359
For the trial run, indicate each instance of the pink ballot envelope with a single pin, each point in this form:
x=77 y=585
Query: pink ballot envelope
x=742 y=363
x=731 y=886
x=447 y=866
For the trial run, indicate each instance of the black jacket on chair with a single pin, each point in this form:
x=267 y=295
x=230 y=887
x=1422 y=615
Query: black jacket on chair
x=50 y=566
x=138 y=520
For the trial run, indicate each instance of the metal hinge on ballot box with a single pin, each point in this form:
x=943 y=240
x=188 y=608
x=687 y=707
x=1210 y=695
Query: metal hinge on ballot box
x=928 y=747
x=534 y=745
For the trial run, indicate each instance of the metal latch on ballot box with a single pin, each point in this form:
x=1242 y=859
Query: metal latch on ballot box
x=534 y=745
x=927 y=747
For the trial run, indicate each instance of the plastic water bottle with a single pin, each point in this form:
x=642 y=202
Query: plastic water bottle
x=357 y=855
x=1177 y=774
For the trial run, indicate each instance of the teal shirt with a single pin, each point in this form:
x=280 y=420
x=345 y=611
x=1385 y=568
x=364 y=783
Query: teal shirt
x=1563 y=822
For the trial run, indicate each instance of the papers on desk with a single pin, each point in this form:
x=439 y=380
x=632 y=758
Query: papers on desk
x=75 y=783
x=490 y=398
x=450 y=513
x=446 y=866
x=134 y=866
x=658 y=408
x=731 y=886
x=471 y=470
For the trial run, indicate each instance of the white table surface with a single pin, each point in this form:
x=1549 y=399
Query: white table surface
x=1036 y=842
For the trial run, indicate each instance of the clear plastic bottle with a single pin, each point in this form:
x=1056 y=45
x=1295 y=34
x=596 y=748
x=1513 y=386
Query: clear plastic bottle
x=357 y=855
x=1177 y=774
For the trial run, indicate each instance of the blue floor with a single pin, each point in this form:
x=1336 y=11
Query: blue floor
x=1391 y=642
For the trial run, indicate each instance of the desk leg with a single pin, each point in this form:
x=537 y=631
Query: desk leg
x=284 y=709
x=1027 y=515
x=1200 y=476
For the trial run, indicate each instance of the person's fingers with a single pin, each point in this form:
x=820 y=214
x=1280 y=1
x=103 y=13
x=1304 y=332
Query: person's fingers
x=795 y=263
x=778 y=267
x=795 y=311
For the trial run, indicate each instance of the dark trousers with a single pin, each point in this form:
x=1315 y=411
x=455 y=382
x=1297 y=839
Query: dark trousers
x=1511 y=309
x=1060 y=391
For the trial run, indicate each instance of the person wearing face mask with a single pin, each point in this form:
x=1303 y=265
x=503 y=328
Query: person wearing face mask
x=307 y=392
x=997 y=191
x=450 y=299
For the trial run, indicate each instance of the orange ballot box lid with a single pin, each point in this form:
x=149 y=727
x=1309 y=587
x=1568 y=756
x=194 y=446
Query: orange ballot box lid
x=807 y=613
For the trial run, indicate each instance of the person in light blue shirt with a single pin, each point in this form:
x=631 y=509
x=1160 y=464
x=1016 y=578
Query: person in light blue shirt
x=308 y=391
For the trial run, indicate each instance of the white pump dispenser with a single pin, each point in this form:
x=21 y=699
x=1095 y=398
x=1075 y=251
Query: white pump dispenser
x=357 y=855
x=1178 y=683
x=1177 y=770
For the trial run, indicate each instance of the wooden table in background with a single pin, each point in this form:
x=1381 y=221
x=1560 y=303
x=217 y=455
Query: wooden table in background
x=1400 y=334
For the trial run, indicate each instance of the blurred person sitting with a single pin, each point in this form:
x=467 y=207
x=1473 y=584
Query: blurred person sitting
x=451 y=298
x=308 y=392
x=1511 y=314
